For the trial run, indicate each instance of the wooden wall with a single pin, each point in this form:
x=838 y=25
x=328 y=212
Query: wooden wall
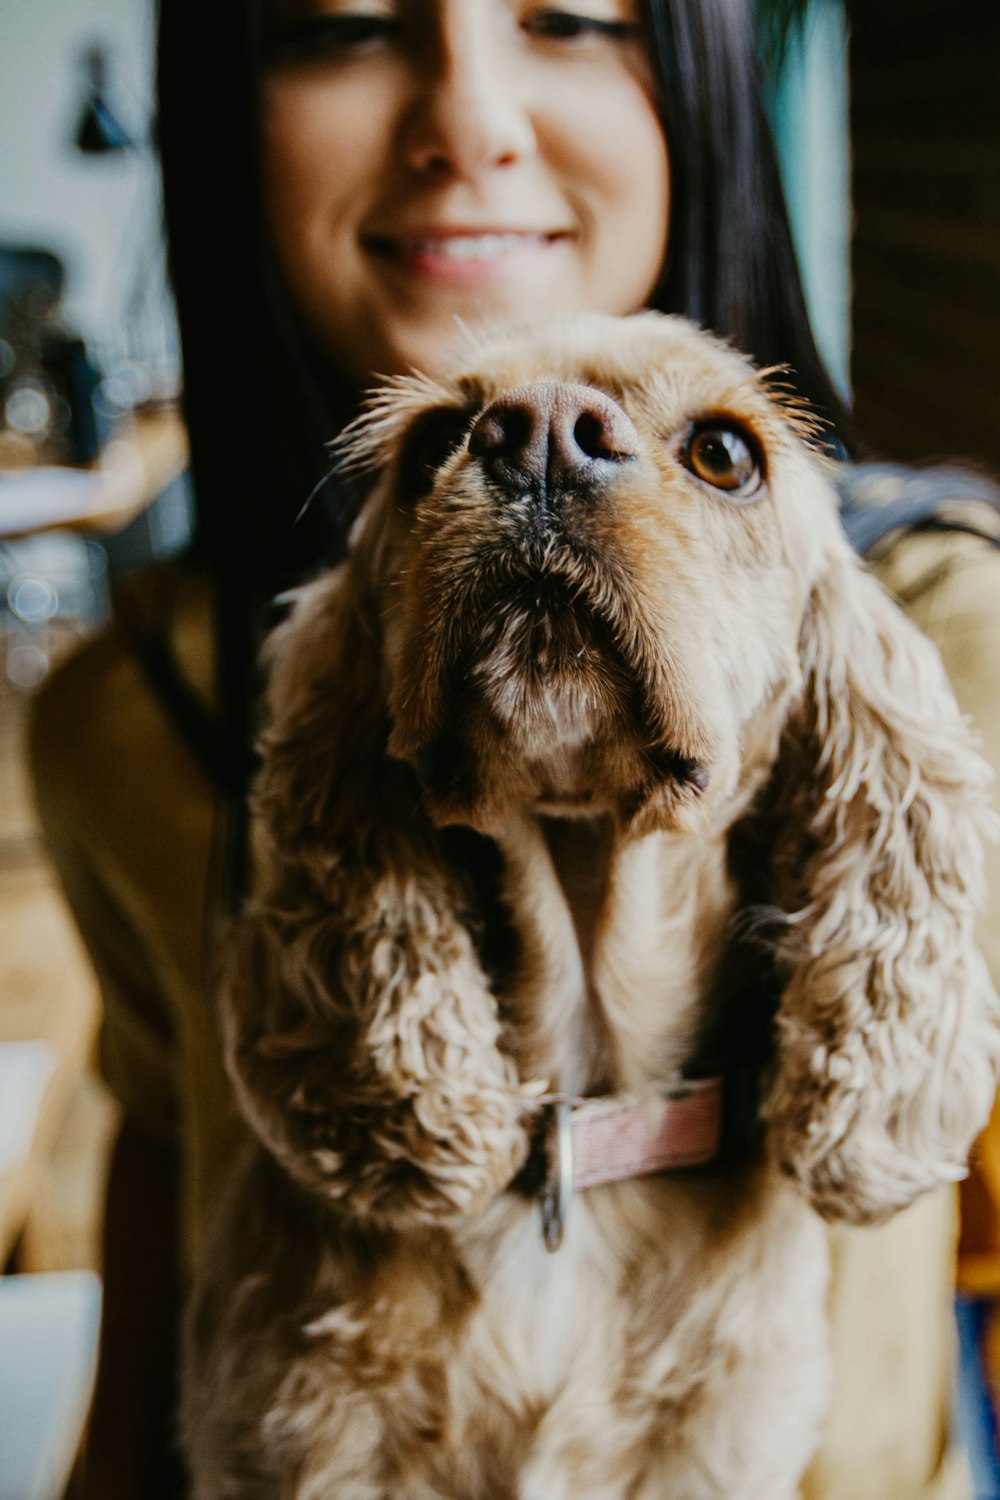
x=926 y=253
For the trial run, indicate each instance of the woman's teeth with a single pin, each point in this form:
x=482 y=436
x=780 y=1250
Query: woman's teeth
x=476 y=247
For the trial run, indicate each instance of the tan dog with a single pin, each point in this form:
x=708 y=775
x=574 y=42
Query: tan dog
x=600 y=741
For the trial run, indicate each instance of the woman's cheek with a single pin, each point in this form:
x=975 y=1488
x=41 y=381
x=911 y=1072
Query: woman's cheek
x=614 y=164
x=316 y=143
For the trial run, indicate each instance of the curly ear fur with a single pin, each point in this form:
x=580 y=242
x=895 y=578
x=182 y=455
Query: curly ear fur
x=887 y=1032
x=360 y=1031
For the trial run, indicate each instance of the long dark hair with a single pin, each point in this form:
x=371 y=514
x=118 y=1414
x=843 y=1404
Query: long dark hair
x=260 y=410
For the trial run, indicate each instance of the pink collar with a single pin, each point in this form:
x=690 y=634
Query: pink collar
x=593 y=1141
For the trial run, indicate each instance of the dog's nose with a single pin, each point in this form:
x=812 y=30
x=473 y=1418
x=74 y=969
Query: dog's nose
x=546 y=437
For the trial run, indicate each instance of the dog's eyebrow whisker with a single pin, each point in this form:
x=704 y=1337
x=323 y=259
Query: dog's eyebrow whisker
x=473 y=339
x=767 y=373
x=776 y=382
x=331 y=474
x=383 y=416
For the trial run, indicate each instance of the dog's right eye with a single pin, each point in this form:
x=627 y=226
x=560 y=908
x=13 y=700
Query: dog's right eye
x=434 y=439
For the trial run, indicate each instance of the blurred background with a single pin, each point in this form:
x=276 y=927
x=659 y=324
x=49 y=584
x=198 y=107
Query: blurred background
x=887 y=116
x=92 y=484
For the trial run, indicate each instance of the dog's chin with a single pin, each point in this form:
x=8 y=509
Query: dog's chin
x=537 y=708
x=480 y=769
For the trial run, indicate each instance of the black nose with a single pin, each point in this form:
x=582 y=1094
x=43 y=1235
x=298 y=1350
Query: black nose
x=547 y=437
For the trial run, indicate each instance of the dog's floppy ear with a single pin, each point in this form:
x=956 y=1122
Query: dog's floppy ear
x=360 y=1030
x=887 y=1042
x=326 y=724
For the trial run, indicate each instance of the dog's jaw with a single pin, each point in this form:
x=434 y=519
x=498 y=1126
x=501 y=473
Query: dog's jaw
x=539 y=705
x=475 y=774
x=557 y=719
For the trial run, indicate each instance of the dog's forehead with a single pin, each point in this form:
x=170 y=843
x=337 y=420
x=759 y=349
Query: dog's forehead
x=618 y=355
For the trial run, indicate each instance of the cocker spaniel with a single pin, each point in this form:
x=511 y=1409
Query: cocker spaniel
x=620 y=848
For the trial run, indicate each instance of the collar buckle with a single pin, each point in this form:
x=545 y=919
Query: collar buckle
x=557 y=1192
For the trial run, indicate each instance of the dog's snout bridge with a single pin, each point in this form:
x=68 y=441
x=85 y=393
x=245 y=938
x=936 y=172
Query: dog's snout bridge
x=547 y=436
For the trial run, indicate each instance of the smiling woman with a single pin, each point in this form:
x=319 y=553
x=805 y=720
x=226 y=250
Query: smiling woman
x=486 y=158
x=345 y=184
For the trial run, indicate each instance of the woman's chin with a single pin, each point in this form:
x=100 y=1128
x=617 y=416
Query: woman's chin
x=429 y=343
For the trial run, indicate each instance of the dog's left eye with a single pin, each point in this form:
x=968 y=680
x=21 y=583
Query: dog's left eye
x=433 y=441
x=726 y=456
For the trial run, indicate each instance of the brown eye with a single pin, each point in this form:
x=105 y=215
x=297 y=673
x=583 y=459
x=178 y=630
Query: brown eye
x=429 y=446
x=724 y=456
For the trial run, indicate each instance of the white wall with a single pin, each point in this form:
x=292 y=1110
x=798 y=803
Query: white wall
x=94 y=211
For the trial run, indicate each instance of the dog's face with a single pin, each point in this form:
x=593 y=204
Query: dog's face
x=593 y=547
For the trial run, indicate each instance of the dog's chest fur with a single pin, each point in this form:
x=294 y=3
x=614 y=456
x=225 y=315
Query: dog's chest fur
x=617 y=945
x=644 y=1377
x=480 y=1368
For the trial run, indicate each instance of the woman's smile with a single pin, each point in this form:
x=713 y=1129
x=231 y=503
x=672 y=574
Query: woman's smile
x=459 y=256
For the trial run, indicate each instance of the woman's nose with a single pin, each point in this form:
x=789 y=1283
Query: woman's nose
x=466 y=117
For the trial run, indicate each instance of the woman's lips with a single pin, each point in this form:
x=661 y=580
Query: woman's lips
x=463 y=256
